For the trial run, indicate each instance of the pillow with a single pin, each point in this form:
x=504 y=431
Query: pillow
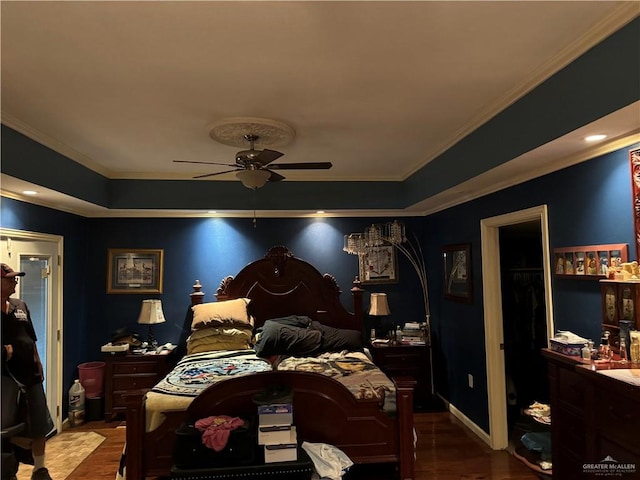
x=282 y=339
x=339 y=339
x=215 y=339
x=228 y=312
x=301 y=321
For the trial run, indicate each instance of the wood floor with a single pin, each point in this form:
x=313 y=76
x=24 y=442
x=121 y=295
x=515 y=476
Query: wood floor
x=446 y=450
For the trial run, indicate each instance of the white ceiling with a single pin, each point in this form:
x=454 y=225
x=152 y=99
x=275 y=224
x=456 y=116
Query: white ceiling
x=377 y=88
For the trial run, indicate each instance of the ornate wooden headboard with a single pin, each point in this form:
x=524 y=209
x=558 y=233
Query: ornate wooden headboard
x=280 y=285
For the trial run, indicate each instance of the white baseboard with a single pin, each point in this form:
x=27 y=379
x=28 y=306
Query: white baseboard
x=467 y=422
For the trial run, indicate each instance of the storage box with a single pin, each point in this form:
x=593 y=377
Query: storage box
x=566 y=348
x=277 y=434
x=286 y=452
x=275 y=414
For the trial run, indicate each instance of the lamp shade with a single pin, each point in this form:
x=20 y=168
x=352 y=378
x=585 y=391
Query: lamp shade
x=379 y=306
x=151 y=313
x=253 y=178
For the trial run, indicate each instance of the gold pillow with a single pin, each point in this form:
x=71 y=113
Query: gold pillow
x=228 y=312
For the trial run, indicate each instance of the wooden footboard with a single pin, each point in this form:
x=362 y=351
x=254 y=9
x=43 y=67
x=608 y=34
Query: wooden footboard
x=324 y=411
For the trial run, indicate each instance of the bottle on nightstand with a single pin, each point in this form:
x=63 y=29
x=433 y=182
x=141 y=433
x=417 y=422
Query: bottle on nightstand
x=398 y=335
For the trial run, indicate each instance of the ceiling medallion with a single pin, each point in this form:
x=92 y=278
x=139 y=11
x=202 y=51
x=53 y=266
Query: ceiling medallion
x=270 y=133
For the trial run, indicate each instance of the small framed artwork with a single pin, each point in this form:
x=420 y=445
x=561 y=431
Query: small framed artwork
x=457 y=272
x=579 y=270
x=134 y=270
x=379 y=265
x=569 y=262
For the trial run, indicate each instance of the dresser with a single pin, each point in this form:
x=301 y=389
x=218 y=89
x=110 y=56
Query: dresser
x=595 y=414
x=127 y=373
x=409 y=361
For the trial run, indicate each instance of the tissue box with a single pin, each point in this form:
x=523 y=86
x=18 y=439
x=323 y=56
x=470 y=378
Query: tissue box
x=287 y=452
x=562 y=346
x=109 y=347
x=277 y=434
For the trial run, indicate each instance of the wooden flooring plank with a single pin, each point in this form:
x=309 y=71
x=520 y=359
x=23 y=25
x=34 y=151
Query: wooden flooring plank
x=447 y=450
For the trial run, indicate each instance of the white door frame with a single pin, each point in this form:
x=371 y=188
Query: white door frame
x=54 y=335
x=492 y=297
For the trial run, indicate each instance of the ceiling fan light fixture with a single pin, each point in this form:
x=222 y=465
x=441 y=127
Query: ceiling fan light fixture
x=253 y=178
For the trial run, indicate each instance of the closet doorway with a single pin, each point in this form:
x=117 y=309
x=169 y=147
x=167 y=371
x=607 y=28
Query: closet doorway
x=524 y=322
x=493 y=311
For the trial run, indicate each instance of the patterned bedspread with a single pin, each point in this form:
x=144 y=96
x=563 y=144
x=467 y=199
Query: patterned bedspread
x=197 y=371
x=192 y=375
x=354 y=370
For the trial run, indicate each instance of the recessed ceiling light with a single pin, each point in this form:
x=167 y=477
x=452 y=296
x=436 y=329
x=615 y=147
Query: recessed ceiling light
x=595 y=138
x=320 y=211
x=212 y=211
x=29 y=192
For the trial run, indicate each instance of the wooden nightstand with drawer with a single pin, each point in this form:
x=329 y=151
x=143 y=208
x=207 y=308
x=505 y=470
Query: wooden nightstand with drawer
x=410 y=361
x=131 y=372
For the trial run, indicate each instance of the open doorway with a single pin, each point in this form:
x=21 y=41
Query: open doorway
x=493 y=311
x=524 y=325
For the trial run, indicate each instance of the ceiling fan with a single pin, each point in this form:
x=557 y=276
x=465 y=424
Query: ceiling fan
x=254 y=167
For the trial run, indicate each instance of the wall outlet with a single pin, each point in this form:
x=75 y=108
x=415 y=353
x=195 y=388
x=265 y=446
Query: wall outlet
x=470 y=380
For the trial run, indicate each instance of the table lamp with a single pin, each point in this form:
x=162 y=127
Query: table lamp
x=151 y=314
x=379 y=307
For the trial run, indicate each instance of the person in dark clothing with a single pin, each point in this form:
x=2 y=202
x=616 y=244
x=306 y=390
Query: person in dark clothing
x=21 y=363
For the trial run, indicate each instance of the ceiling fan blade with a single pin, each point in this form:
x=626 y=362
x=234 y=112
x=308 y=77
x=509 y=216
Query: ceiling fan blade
x=205 y=163
x=218 y=173
x=275 y=177
x=267 y=156
x=302 y=166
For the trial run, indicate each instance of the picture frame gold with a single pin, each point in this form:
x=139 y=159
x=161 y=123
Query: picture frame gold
x=457 y=272
x=134 y=270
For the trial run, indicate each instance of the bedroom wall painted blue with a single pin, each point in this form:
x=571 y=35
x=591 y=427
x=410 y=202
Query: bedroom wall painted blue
x=207 y=249
x=588 y=204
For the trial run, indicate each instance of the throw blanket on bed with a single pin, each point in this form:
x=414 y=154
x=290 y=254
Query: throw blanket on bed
x=353 y=369
x=196 y=372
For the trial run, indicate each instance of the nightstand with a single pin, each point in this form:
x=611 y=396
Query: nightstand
x=126 y=373
x=407 y=360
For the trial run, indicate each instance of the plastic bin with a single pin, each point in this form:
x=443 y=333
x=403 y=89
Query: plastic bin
x=94 y=409
x=92 y=378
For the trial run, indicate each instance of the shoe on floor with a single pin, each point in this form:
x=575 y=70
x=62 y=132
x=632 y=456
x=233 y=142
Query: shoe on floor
x=41 y=474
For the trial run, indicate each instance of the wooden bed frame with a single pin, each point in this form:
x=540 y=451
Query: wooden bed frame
x=324 y=410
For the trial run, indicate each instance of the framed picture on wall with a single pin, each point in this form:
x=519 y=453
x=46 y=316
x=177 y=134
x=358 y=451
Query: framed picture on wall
x=457 y=272
x=379 y=265
x=134 y=270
